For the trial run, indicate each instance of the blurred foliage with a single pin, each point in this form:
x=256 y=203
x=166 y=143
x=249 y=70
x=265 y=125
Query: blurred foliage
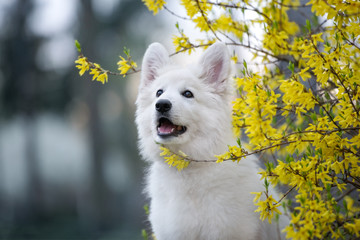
x=28 y=90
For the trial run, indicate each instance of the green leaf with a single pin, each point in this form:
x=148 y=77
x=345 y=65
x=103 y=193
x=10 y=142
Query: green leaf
x=308 y=25
x=315 y=20
x=245 y=64
x=266 y=184
x=313 y=116
x=346 y=207
x=277 y=216
x=78 y=46
x=146 y=208
x=243 y=72
x=327 y=96
x=274 y=120
x=337 y=209
x=126 y=51
x=275 y=25
x=268 y=93
x=291 y=67
x=144 y=234
x=238 y=142
x=289 y=159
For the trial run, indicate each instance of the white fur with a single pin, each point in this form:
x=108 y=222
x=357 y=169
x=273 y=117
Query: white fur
x=206 y=200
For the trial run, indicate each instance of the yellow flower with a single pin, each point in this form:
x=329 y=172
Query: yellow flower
x=227 y=24
x=95 y=71
x=124 y=65
x=193 y=7
x=201 y=23
x=98 y=73
x=182 y=43
x=304 y=74
x=179 y=161
x=82 y=64
x=257 y=197
x=353 y=228
x=103 y=78
x=266 y=208
x=234 y=58
x=154 y=5
x=234 y=153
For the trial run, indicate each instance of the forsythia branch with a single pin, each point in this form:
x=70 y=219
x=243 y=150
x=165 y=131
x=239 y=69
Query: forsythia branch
x=126 y=66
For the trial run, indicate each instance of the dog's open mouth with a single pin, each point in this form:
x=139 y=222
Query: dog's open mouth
x=166 y=128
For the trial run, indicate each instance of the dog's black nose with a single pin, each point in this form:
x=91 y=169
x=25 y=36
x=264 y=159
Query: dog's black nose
x=163 y=105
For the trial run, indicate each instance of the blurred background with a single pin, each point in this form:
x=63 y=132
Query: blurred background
x=69 y=165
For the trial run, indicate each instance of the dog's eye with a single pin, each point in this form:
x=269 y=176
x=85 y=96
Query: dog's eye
x=188 y=94
x=159 y=92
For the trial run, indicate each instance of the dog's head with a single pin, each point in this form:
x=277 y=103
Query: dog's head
x=177 y=105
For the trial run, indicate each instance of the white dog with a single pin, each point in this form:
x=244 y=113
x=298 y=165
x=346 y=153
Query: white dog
x=188 y=109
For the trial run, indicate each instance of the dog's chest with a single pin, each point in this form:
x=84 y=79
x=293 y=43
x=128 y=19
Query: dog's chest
x=200 y=205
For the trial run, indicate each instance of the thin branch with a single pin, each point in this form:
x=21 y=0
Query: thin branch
x=174 y=14
x=322 y=132
x=128 y=73
x=337 y=76
x=356 y=185
x=292 y=6
x=239 y=157
x=184 y=49
x=285 y=194
x=347 y=192
x=281 y=58
x=92 y=65
x=345 y=38
x=254 y=9
x=206 y=20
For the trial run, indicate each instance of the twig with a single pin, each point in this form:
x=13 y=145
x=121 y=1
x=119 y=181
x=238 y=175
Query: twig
x=292 y=6
x=206 y=20
x=176 y=15
x=239 y=157
x=345 y=193
x=254 y=9
x=192 y=47
x=338 y=77
x=285 y=194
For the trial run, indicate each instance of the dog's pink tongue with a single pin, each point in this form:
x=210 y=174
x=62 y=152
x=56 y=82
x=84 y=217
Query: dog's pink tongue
x=166 y=127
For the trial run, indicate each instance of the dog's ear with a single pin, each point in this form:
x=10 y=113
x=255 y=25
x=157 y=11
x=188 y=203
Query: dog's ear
x=215 y=65
x=154 y=59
